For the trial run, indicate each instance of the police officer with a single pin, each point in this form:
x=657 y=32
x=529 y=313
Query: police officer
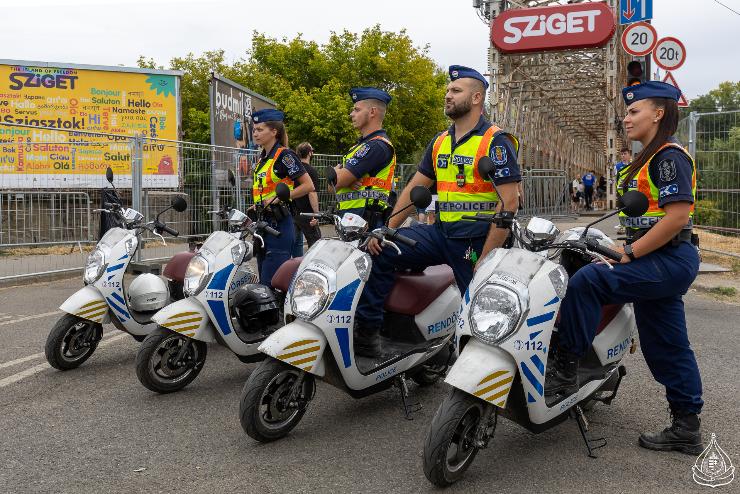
x=365 y=177
x=277 y=163
x=658 y=265
x=450 y=161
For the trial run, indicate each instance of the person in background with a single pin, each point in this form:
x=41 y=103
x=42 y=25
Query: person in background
x=626 y=156
x=307 y=227
x=589 y=179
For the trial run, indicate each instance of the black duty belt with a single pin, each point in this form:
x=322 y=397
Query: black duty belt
x=682 y=236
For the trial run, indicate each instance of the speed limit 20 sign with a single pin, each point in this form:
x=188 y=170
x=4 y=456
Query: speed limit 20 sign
x=639 y=39
x=669 y=53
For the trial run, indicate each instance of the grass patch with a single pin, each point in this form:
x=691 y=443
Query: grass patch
x=726 y=291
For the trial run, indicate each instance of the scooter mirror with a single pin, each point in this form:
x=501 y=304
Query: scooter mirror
x=109 y=175
x=331 y=175
x=633 y=203
x=421 y=197
x=283 y=192
x=178 y=204
x=486 y=167
x=232 y=178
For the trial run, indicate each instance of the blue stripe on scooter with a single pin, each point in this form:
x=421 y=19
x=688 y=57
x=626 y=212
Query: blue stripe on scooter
x=534 y=321
x=534 y=335
x=116 y=267
x=345 y=296
x=552 y=301
x=530 y=398
x=219 y=279
x=538 y=363
x=343 y=339
x=530 y=377
x=123 y=257
x=113 y=304
x=219 y=312
x=118 y=297
x=467 y=296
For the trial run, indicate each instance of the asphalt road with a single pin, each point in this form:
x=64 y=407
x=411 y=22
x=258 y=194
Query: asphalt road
x=96 y=429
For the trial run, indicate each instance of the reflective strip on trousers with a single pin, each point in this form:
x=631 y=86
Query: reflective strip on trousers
x=466 y=206
x=362 y=194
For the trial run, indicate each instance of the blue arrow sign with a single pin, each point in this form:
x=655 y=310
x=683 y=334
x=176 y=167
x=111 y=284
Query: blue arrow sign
x=635 y=11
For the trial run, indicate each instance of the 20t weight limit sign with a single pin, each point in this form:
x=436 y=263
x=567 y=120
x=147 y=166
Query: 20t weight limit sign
x=639 y=39
x=669 y=53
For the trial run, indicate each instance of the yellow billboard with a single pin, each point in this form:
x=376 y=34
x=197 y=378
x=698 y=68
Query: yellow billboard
x=63 y=125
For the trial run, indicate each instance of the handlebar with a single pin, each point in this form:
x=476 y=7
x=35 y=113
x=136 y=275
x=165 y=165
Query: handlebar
x=394 y=236
x=271 y=231
x=166 y=229
x=604 y=251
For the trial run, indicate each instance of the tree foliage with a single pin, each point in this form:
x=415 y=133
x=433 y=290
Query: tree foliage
x=310 y=82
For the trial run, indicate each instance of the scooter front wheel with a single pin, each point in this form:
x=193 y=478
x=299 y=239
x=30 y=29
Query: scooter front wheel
x=168 y=361
x=274 y=399
x=71 y=341
x=450 y=446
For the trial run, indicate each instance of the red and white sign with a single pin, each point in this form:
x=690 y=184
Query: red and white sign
x=560 y=27
x=669 y=53
x=670 y=80
x=639 y=39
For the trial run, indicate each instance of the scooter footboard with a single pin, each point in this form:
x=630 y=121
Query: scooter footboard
x=88 y=303
x=484 y=371
x=188 y=318
x=299 y=344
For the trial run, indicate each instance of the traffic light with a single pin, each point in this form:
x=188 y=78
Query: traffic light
x=638 y=71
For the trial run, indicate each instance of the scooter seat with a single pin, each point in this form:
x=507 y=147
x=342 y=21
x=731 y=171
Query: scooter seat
x=413 y=292
x=281 y=278
x=176 y=267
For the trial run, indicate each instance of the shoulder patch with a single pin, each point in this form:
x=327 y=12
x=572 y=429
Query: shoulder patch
x=290 y=163
x=498 y=155
x=667 y=170
x=363 y=151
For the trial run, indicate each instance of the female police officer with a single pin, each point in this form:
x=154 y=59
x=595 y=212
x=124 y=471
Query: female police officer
x=658 y=265
x=277 y=164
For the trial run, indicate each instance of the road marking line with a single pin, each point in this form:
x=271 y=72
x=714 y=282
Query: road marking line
x=28 y=318
x=39 y=355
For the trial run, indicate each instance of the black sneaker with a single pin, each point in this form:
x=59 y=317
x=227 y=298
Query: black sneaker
x=562 y=376
x=684 y=435
x=367 y=342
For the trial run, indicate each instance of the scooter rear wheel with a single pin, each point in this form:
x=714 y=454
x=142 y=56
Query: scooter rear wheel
x=450 y=447
x=157 y=364
x=71 y=341
x=268 y=410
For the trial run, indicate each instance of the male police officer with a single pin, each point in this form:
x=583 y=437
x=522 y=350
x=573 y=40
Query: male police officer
x=450 y=160
x=365 y=176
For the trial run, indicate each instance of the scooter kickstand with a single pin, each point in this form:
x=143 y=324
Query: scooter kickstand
x=591 y=444
x=408 y=407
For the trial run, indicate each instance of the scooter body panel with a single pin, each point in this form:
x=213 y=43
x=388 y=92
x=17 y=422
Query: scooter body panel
x=88 y=303
x=484 y=371
x=300 y=344
x=187 y=317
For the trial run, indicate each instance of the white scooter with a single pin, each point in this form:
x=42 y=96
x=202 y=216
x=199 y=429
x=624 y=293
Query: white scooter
x=505 y=332
x=420 y=317
x=224 y=304
x=105 y=298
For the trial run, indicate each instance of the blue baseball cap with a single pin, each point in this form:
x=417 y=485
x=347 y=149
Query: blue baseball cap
x=361 y=93
x=460 y=72
x=268 y=115
x=650 y=89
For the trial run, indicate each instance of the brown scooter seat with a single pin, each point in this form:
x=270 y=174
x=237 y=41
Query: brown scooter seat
x=281 y=278
x=413 y=292
x=176 y=267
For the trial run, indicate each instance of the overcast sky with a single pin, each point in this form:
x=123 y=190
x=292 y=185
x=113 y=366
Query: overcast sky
x=116 y=32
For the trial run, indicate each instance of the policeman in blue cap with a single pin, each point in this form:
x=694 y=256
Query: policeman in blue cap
x=450 y=161
x=277 y=163
x=365 y=176
x=659 y=262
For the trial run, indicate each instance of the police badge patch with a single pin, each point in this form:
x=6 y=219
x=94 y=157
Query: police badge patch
x=363 y=151
x=667 y=169
x=290 y=163
x=498 y=155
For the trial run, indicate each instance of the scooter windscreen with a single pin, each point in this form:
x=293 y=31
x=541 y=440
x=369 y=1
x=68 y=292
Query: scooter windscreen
x=329 y=252
x=217 y=241
x=113 y=236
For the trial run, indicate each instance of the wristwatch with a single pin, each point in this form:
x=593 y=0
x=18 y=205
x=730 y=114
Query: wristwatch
x=628 y=251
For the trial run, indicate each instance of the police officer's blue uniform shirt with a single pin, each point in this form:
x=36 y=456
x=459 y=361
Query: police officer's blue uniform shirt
x=502 y=153
x=372 y=157
x=588 y=180
x=671 y=172
x=289 y=165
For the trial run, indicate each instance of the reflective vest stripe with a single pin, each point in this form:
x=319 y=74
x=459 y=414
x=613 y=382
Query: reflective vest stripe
x=380 y=184
x=271 y=179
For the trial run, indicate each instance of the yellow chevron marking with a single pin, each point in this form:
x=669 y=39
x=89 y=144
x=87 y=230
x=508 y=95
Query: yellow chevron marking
x=93 y=317
x=187 y=328
x=300 y=343
x=92 y=309
x=307 y=368
x=299 y=352
x=303 y=361
x=171 y=323
x=183 y=314
x=493 y=386
x=492 y=376
x=497 y=395
x=189 y=335
x=501 y=404
x=94 y=302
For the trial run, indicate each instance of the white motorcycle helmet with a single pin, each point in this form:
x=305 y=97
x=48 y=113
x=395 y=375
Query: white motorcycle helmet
x=148 y=292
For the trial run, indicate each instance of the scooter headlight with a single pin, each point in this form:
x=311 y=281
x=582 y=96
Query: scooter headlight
x=95 y=266
x=495 y=313
x=196 y=276
x=310 y=294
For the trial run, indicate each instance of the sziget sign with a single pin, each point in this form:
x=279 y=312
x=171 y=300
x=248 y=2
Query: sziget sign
x=561 y=27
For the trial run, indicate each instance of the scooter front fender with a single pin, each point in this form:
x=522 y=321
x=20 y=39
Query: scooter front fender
x=300 y=344
x=484 y=371
x=187 y=317
x=88 y=303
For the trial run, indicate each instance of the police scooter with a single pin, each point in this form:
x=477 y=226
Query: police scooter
x=223 y=304
x=317 y=342
x=105 y=298
x=506 y=329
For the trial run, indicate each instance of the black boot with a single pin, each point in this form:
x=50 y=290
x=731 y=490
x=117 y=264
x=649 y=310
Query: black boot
x=367 y=342
x=562 y=376
x=684 y=435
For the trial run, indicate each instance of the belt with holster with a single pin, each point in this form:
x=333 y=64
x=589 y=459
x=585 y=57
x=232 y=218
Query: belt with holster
x=683 y=236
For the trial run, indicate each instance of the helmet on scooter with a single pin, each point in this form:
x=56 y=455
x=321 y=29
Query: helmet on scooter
x=257 y=311
x=148 y=292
